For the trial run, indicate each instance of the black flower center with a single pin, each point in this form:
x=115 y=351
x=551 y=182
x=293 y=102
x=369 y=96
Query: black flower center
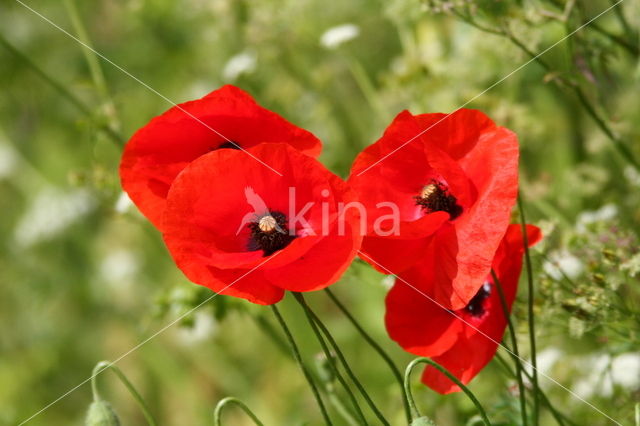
x=229 y=144
x=435 y=197
x=269 y=233
x=475 y=307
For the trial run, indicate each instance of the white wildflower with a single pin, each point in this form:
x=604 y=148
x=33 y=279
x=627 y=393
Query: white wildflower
x=625 y=370
x=8 y=161
x=119 y=267
x=387 y=281
x=124 y=203
x=204 y=326
x=242 y=63
x=632 y=175
x=603 y=214
x=335 y=36
x=563 y=263
x=50 y=213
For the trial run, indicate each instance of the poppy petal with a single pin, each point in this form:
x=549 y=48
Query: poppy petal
x=157 y=152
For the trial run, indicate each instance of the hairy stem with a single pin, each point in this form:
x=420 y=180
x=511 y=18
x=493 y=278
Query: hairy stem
x=330 y=358
x=515 y=354
x=343 y=361
x=298 y=358
x=530 y=313
x=367 y=337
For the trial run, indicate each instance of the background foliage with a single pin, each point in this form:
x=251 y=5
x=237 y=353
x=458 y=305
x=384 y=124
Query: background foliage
x=84 y=277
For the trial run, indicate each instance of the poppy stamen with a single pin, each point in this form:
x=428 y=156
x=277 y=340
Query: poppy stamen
x=269 y=233
x=435 y=197
x=475 y=307
x=228 y=144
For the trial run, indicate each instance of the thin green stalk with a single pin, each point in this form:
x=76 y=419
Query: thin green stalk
x=340 y=408
x=595 y=26
x=530 y=313
x=342 y=359
x=631 y=48
x=103 y=365
x=217 y=414
x=93 y=62
x=366 y=87
x=298 y=358
x=622 y=149
x=622 y=19
x=66 y=94
x=454 y=379
x=557 y=415
x=515 y=354
x=394 y=369
x=264 y=325
x=331 y=359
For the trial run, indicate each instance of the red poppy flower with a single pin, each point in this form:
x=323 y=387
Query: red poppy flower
x=240 y=229
x=465 y=340
x=225 y=118
x=454 y=186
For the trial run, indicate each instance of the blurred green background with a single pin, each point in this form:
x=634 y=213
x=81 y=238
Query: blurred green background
x=83 y=277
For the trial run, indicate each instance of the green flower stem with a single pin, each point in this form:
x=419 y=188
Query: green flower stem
x=217 y=414
x=298 y=358
x=93 y=62
x=327 y=390
x=330 y=358
x=628 y=29
x=631 y=48
x=454 y=379
x=367 y=88
x=623 y=150
x=339 y=406
x=103 y=365
x=66 y=94
x=620 y=146
x=530 y=313
x=515 y=354
x=264 y=325
x=394 y=369
x=557 y=415
x=342 y=359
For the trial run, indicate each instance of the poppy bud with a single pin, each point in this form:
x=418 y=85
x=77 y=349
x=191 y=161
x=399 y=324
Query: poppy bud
x=101 y=414
x=423 y=421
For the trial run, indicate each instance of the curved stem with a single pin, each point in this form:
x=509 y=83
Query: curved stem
x=330 y=358
x=217 y=414
x=454 y=379
x=530 y=313
x=343 y=360
x=298 y=358
x=387 y=359
x=103 y=365
x=515 y=354
x=407 y=389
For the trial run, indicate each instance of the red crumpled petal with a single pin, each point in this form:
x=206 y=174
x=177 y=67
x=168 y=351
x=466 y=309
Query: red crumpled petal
x=157 y=152
x=478 y=340
x=476 y=160
x=208 y=203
